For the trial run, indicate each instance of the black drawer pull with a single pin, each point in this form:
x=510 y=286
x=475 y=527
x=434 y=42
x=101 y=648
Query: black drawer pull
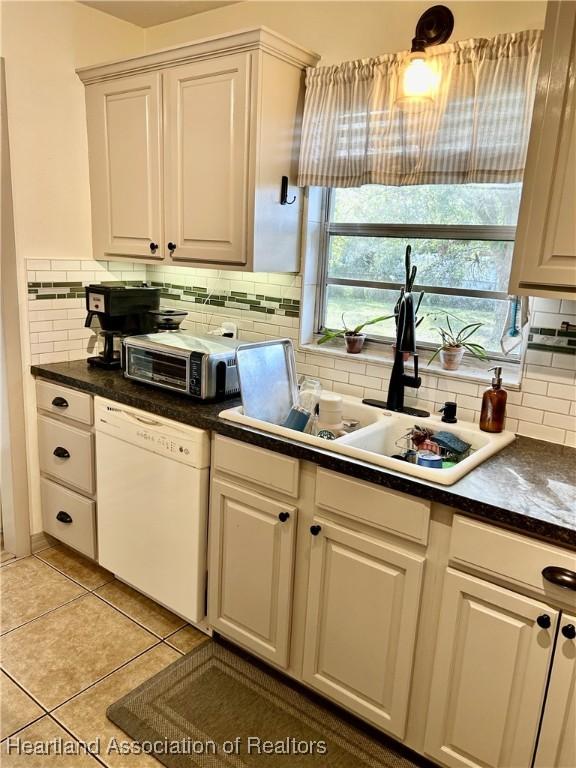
x=569 y=631
x=561 y=577
x=171 y=247
x=315 y=529
x=153 y=247
x=63 y=517
x=544 y=621
x=60 y=402
x=283 y=516
x=61 y=453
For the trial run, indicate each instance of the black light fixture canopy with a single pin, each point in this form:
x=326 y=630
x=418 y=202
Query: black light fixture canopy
x=434 y=27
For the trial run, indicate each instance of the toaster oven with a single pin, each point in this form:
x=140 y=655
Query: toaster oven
x=203 y=367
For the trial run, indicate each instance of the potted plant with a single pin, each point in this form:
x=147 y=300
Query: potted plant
x=454 y=344
x=353 y=337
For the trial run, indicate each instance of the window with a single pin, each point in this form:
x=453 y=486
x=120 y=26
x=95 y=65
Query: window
x=462 y=237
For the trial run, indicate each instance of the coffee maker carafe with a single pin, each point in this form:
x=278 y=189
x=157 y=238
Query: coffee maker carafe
x=121 y=310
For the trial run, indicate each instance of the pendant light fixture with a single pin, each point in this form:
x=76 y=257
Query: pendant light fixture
x=419 y=77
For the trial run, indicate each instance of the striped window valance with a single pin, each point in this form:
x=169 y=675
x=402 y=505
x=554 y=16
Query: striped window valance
x=476 y=130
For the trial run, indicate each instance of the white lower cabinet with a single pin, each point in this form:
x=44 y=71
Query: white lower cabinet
x=557 y=740
x=363 y=603
x=251 y=569
x=493 y=654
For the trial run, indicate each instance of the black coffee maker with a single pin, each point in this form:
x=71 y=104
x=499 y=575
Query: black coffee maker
x=121 y=310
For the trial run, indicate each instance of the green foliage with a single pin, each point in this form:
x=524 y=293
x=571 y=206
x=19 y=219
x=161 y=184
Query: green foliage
x=329 y=335
x=463 y=264
x=451 y=338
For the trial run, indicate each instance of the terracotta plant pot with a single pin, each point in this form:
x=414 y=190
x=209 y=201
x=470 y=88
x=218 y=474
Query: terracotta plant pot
x=354 y=343
x=451 y=357
x=405 y=355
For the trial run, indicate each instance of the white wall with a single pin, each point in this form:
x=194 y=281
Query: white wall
x=340 y=31
x=43 y=43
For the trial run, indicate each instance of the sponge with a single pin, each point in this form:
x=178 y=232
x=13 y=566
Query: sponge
x=450 y=442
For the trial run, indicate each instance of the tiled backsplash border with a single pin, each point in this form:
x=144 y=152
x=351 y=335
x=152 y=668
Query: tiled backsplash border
x=545 y=408
x=241 y=300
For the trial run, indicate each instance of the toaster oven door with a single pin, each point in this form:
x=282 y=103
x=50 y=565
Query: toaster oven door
x=160 y=368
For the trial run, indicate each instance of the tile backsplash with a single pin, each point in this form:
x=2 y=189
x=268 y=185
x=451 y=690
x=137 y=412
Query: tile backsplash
x=267 y=305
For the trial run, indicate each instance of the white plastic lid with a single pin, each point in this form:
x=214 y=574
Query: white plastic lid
x=329 y=401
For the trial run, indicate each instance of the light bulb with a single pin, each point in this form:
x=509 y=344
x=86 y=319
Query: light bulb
x=419 y=82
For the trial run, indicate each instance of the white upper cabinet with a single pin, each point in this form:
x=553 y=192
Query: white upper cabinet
x=206 y=159
x=545 y=250
x=125 y=166
x=188 y=147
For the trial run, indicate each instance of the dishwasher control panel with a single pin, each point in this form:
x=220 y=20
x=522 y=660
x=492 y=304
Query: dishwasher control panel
x=188 y=445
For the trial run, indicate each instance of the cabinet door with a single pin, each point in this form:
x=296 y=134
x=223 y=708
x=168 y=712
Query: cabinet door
x=557 y=741
x=206 y=162
x=363 y=601
x=125 y=176
x=545 y=250
x=490 y=671
x=251 y=569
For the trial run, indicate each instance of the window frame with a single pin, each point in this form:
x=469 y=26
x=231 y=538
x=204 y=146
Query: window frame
x=417 y=231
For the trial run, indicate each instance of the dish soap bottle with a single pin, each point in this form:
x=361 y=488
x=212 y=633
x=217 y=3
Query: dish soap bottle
x=493 y=413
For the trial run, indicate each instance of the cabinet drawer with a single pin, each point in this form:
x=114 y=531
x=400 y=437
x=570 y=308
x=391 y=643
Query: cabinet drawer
x=65 y=402
x=77 y=468
x=266 y=468
x=69 y=517
x=389 y=510
x=509 y=556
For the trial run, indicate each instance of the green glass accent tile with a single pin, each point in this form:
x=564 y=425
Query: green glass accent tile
x=567 y=334
x=572 y=342
x=530 y=337
x=533 y=329
x=291 y=313
x=287 y=306
x=238 y=293
x=257 y=308
x=547 y=331
x=47 y=296
x=34 y=285
x=259 y=295
x=199 y=288
x=216 y=303
x=32 y=290
x=155 y=284
x=270 y=311
x=274 y=298
x=556 y=349
x=66 y=284
x=248 y=302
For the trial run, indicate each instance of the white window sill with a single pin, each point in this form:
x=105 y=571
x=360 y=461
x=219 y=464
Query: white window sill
x=381 y=354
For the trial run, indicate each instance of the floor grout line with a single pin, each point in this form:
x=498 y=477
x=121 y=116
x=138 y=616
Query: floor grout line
x=40 y=616
x=80 y=741
x=104 y=677
x=63 y=573
x=140 y=624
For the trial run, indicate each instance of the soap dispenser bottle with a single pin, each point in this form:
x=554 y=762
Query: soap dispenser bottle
x=493 y=413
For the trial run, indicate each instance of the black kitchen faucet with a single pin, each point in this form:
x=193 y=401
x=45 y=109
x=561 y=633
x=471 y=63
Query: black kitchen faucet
x=405 y=313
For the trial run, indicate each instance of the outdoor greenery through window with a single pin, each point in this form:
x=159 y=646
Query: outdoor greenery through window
x=462 y=237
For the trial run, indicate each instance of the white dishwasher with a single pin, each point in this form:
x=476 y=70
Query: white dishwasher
x=153 y=486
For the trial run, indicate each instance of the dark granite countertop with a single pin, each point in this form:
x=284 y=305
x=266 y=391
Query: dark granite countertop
x=529 y=487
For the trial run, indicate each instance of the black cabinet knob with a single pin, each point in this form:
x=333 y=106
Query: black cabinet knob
x=60 y=402
x=153 y=247
x=544 y=621
x=315 y=529
x=171 y=247
x=61 y=453
x=63 y=517
x=283 y=516
x=569 y=631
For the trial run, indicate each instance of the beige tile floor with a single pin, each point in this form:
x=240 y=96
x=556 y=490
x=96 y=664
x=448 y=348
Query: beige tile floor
x=73 y=641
